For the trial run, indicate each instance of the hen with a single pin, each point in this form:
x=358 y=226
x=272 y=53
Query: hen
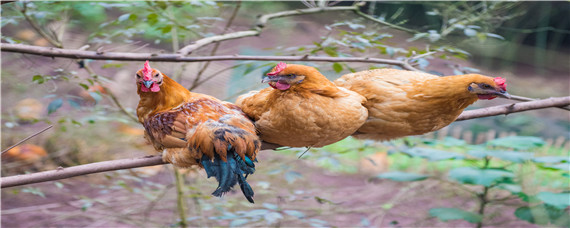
x=302 y=108
x=197 y=129
x=402 y=103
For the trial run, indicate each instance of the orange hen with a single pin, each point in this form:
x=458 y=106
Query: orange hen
x=402 y=103
x=302 y=108
x=197 y=129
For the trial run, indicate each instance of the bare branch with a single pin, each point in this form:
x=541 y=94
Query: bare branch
x=126 y=56
x=216 y=46
x=62 y=173
x=259 y=25
x=362 y=14
x=52 y=40
x=512 y=108
x=521 y=98
x=26 y=139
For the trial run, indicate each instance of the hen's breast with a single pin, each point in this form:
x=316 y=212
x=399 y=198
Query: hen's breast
x=311 y=120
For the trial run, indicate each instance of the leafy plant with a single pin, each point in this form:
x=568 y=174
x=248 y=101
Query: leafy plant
x=492 y=170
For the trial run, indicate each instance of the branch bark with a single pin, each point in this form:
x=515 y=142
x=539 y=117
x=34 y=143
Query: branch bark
x=516 y=107
x=127 y=56
x=62 y=173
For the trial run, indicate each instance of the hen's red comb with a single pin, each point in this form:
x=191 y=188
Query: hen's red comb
x=280 y=67
x=147 y=71
x=501 y=82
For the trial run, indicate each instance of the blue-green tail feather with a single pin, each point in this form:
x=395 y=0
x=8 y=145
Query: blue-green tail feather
x=230 y=173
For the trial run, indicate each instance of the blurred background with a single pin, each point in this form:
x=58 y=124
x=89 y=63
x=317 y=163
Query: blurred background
x=405 y=182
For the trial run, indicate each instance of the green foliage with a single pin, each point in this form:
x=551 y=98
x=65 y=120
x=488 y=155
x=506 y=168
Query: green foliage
x=445 y=214
x=485 y=177
x=401 y=176
x=517 y=142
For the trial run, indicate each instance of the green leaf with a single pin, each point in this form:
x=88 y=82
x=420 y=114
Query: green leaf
x=543 y=214
x=54 y=105
x=513 y=188
x=558 y=200
x=551 y=159
x=124 y=17
x=112 y=65
x=514 y=156
x=239 y=222
x=401 y=176
x=445 y=214
x=485 y=177
x=58 y=184
x=86 y=87
x=38 y=79
x=517 y=142
x=295 y=213
x=337 y=67
x=470 y=32
x=561 y=166
x=292 y=176
x=166 y=29
x=331 y=51
x=272 y=217
x=35 y=191
x=450 y=141
x=270 y=206
x=96 y=96
x=432 y=154
x=73 y=103
x=152 y=19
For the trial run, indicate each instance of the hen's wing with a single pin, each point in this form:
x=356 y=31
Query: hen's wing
x=207 y=132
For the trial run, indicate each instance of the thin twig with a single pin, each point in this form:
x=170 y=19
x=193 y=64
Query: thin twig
x=26 y=139
x=109 y=92
x=362 y=14
x=216 y=46
x=259 y=25
x=52 y=40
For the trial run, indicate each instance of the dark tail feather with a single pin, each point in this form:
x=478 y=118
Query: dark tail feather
x=230 y=173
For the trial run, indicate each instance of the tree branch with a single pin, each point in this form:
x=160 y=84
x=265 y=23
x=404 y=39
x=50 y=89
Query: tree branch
x=512 y=108
x=259 y=25
x=216 y=46
x=62 y=173
x=126 y=56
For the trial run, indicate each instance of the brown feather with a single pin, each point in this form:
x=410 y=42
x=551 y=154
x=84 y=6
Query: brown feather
x=312 y=113
x=402 y=103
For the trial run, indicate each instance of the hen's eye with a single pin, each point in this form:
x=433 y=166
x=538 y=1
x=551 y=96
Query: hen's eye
x=138 y=76
x=485 y=86
x=156 y=75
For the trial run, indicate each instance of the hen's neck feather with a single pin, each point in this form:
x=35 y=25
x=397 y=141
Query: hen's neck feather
x=315 y=82
x=451 y=89
x=171 y=95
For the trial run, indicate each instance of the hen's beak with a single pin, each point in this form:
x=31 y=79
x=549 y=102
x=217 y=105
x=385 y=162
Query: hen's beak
x=290 y=79
x=147 y=84
x=503 y=94
x=267 y=79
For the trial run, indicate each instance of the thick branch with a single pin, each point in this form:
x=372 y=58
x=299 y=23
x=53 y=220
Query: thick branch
x=104 y=166
x=259 y=25
x=512 y=108
x=126 y=56
x=62 y=173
